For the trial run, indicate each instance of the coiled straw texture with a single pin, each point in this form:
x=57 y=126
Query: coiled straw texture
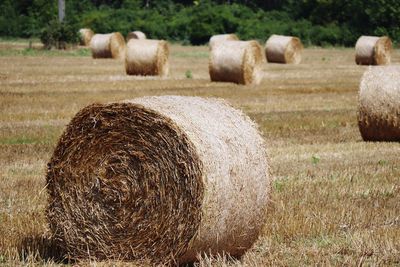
x=158 y=178
x=85 y=36
x=136 y=35
x=147 y=57
x=379 y=104
x=221 y=38
x=111 y=45
x=372 y=50
x=236 y=61
x=283 y=49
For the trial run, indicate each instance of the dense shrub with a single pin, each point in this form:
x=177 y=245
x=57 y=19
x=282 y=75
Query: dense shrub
x=316 y=22
x=58 y=35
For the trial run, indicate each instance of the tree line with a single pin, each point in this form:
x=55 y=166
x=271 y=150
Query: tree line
x=316 y=22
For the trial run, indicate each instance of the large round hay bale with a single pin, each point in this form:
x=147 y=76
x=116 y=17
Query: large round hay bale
x=85 y=36
x=110 y=45
x=379 y=104
x=147 y=57
x=372 y=50
x=136 y=35
x=221 y=38
x=283 y=49
x=236 y=61
x=162 y=178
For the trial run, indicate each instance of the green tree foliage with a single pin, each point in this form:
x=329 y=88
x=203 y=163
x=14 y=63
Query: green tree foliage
x=319 y=22
x=58 y=35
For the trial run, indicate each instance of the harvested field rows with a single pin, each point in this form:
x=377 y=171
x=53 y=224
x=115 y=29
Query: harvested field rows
x=336 y=200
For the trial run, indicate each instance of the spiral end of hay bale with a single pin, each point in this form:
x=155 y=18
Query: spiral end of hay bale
x=100 y=46
x=124 y=182
x=221 y=38
x=158 y=178
x=373 y=50
x=117 y=46
x=236 y=61
x=294 y=51
x=379 y=109
x=147 y=57
x=85 y=36
x=111 y=45
x=136 y=35
x=283 y=49
x=252 y=63
x=383 y=51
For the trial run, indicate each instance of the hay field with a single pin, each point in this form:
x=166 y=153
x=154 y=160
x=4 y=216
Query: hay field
x=336 y=200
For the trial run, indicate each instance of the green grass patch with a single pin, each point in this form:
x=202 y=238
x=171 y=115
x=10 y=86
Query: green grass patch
x=23 y=140
x=7 y=39
x=23 y=172
x=280 y=184
x=315 y=159
x=189 y=74
x=194 y=54
x=33 y=52
x=43 y=135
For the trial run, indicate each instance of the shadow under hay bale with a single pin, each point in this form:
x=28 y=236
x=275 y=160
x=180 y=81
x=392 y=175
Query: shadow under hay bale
x=236 y=61
x=85 y=36
x=283 y=49
x=136 y=35
x=379 y=104
x=163 y=178
x=221 y=38
x=41 y=248
x=147 y=57
x=372 y=50
x=110 y=45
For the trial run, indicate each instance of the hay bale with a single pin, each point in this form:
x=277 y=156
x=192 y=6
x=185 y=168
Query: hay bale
x=283 y=49
x=236 y=61
x=147 y=57
x=85 y=36
x=164 y=178
x=379 y=104
x=110 y=45
x=136 y=35
x=221 y=38
x=372 y=50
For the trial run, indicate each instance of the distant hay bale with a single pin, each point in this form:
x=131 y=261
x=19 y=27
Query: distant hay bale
x=379 y=104
x=85 y=36
x=221 y=38
x=136 y=35
x=147 y=57
x=236 y=61
x=162 y=178
x=283 y=49
x=372 y=50
x=111 y=45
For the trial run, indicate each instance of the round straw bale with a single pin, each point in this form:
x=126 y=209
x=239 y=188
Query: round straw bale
x=163 y=178
x=283 y=49
x=222 y=37
x=372 y=50
x=136 y=35
x=85 y=36
x=379 y=104
x=110 y=45
x=236 y=61
x=147 y=57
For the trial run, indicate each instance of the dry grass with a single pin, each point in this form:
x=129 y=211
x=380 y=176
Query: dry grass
x=336 y=199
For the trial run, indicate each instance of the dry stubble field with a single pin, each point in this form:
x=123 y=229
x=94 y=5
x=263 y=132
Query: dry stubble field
x=336 y=199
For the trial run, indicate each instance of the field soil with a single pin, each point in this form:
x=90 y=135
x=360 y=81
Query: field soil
x=336 y=199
